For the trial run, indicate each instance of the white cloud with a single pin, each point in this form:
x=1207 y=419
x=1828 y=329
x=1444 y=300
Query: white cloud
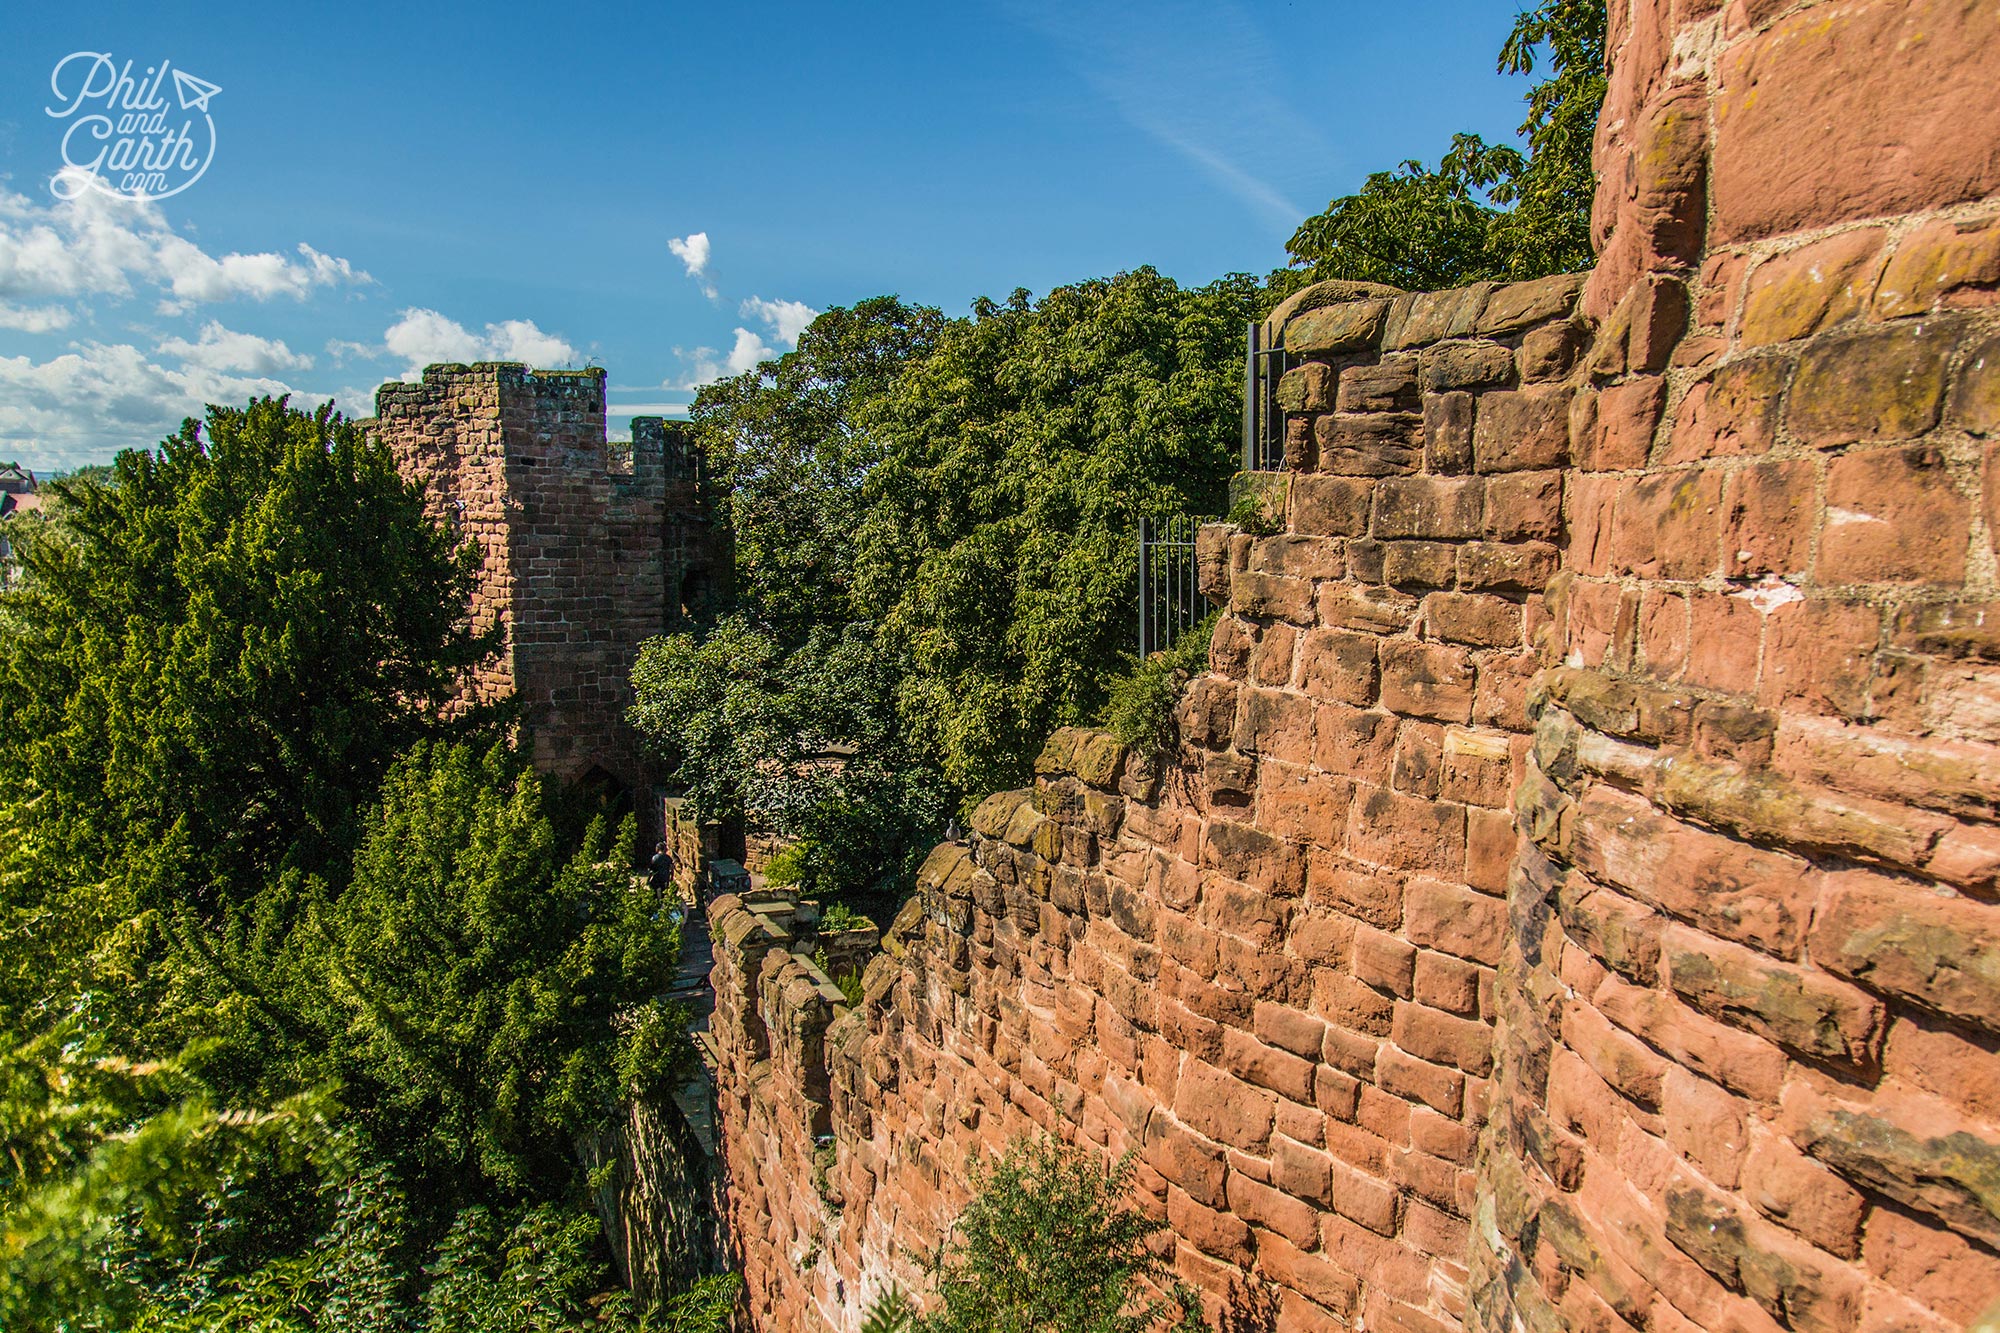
x=221 y=349
x=86 y=404
x=708 y=365
x=424 y=337
x=96 y=245
x=692 y=250
x=788 y=319
x=520 y=340
x=33 y=318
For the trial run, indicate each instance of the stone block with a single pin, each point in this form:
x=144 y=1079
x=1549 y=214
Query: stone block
x=1377 y=445
x=1510 y=567
x=1429 y=317
x=1307 y=389
x=1819 y=657
x=1768 y=513
x=1436 y=508
x=1893 y=515
x=1407 y=564
x=1669 y=525
x=1406 y=832
x=1522 y=305
x=1271 y=596
x=1478 y=364
x=1803 y=1196
x=1548 y=353
x=1643 y=329
x=1347 y=327
x=1339 y=665
x=1799 y=1009
x=1454 y=920
x=1298 y=555
x=1482 y=620
x=1261 y=1205
x=1898 y=938
x=1389 y=385
x=1975 y=401
x=1872 y=385
x=1522 y=505
x=1944 y=263
x=1276 y=723
x=1748 y=894
x=1442 y=1038
x=1330 y=506
x=1669 y=163
x=1816 y=124
x=1448 y=429
x=1427 y=680
x=1521 y=431
x=1820 y=284
x=1944 y=1169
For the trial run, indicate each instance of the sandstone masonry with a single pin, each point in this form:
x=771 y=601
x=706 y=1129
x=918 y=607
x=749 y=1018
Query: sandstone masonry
x=1575 y=900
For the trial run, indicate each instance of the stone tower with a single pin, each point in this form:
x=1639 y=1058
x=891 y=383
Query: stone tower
x=588 y=548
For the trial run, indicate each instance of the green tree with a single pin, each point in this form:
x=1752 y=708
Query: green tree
x=314 y=978
x=781 y=707
x=1488 y=211
x=996 y=556
x=807 y=743
x=783 y=442
x=136 y=1203
x=212 y=660
x=471 y=980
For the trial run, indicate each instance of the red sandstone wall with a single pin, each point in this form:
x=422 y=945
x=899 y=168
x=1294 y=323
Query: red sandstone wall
x=1268 y=967
x=1751 y=996
x=1576 y=900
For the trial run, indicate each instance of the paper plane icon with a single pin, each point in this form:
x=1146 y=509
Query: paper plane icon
x=194 y=93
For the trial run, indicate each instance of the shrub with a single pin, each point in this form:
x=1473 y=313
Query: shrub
x=841 y=917
x=1141 y=709
x=1049 y=1243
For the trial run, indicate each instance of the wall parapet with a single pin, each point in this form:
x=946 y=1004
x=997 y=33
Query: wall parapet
x=1573 y=899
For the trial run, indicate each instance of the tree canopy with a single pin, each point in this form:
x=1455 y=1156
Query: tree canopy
x=309 y=994
x=969 y=535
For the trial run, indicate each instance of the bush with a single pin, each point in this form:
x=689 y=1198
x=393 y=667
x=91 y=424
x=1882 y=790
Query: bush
x=788 y=867
x=1049 y=1244
x=1141 y=710
x=841 y=917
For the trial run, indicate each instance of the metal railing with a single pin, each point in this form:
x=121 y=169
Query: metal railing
x=1169 y=593
x=1263 y=419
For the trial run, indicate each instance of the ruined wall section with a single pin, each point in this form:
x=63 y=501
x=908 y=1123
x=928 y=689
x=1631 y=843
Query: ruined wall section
x=1264 y=964
x=1751 y=1001
x=585 y=548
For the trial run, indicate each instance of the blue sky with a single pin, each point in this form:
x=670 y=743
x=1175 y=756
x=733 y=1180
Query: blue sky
x=390 y=185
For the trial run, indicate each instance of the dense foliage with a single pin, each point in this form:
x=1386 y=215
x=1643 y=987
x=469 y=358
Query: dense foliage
x=1049 y=1244
x=216 y=655
x=972 y=543
x=997 y=553
x=309 y=996
x=1487 y=211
